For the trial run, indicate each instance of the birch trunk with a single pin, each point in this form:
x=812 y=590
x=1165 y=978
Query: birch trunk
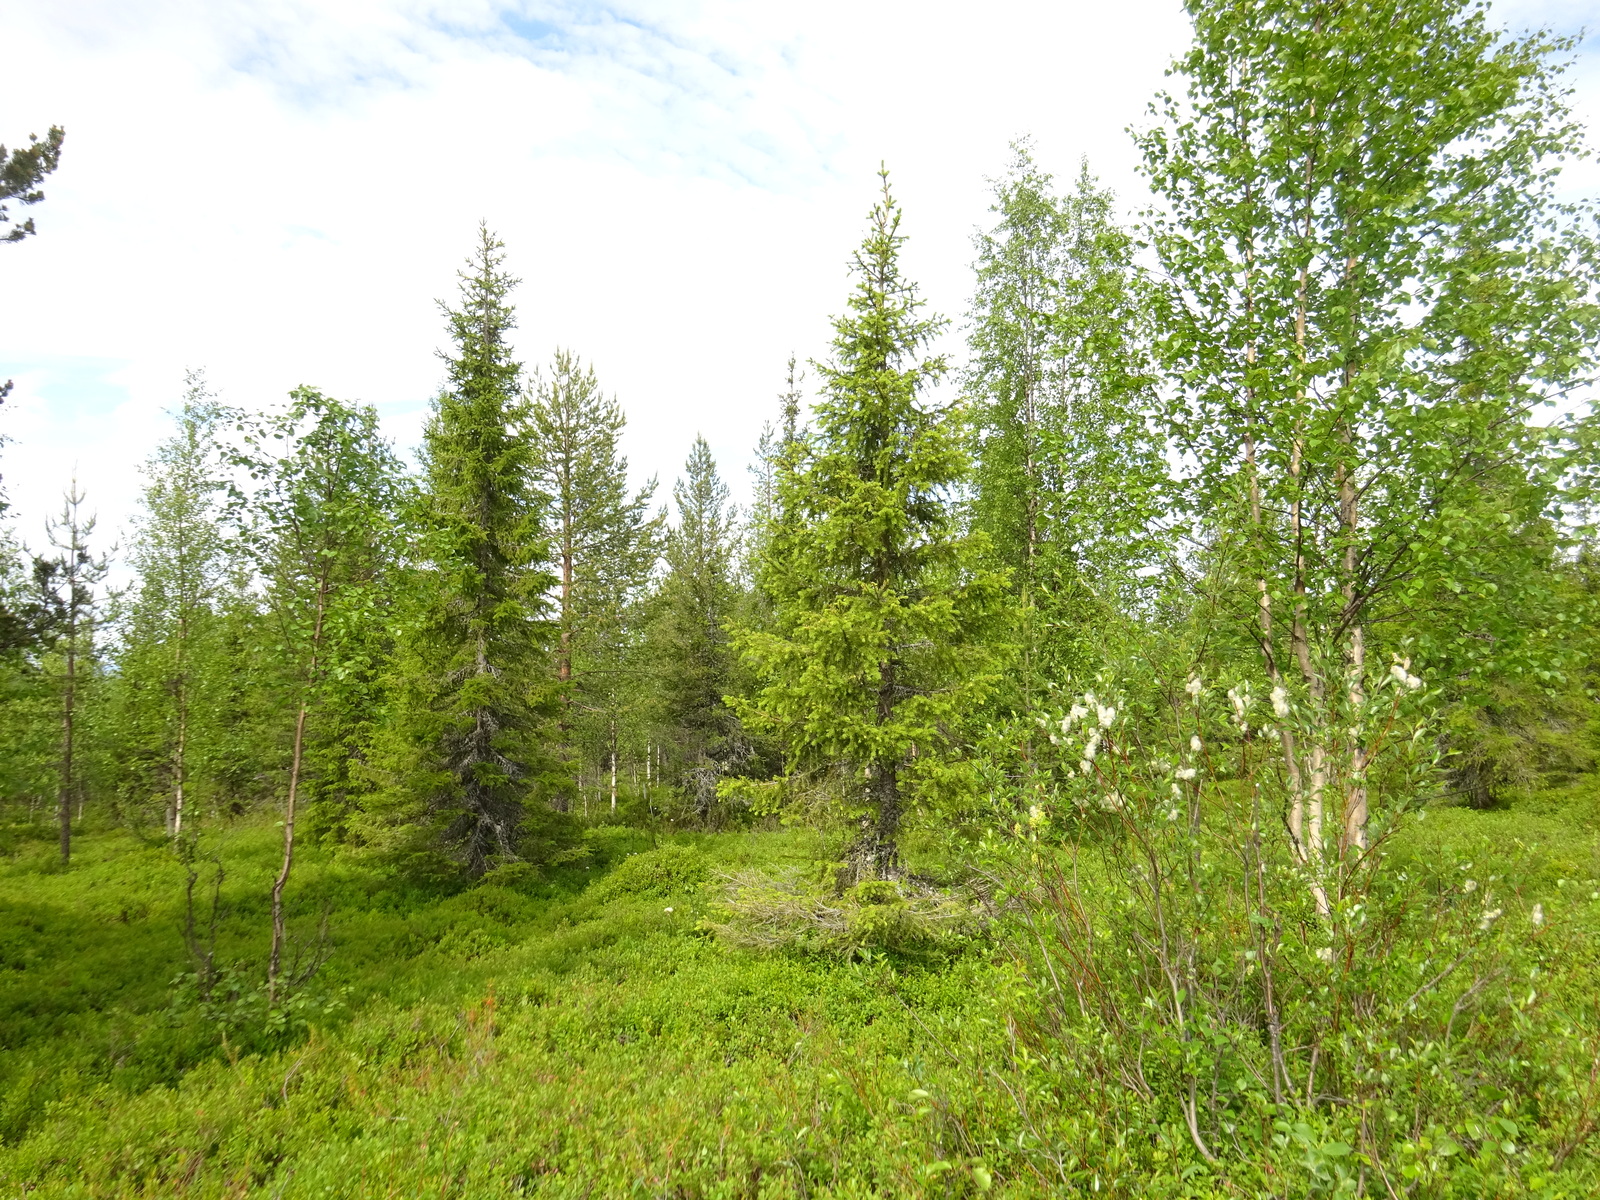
x=275 y=962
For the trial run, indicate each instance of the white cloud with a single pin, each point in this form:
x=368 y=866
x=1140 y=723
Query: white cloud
x=278 y=191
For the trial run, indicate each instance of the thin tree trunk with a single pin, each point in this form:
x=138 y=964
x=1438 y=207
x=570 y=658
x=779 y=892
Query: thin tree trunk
x=1355 y=811
x=69 y=697
x=1311 y=813
x=1354 y=833
x=564 y=649
x=180 y=682
x=274 y=965
x=1030 y=419
x=178 y=775
x=1306 y=816
x=275 y=962
x=1286 y=738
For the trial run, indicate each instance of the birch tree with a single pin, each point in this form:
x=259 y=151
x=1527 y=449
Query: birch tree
x=322 y=528
x=1372 y=284
x=1061 y=383
x=167 y=661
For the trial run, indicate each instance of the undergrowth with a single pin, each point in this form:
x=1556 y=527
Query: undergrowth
x=620 y=1027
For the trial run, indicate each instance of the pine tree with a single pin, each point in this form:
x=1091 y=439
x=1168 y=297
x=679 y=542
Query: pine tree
x=689 y=645
x=603 y=544
x=469 y=691
x=68 y=581
x=21 y=172
x=876 y=653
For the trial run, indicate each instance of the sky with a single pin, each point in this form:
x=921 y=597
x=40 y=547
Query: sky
x=279 y=192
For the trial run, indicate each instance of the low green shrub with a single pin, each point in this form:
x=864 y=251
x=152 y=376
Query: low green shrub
x=1271 y=1014
x=664 y=871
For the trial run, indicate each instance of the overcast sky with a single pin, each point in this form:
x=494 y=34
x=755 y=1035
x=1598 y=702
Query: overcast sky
x=278 y=192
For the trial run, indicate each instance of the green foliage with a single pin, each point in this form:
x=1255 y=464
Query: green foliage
x=321 y=525
x=463 y=758
x=575 y=1042
x=1151 y=941
x=578 y=1037
x=688 y=647
x=660 y=872
x=1372 y=284
x=27 y=697
x=1067 y=472
x=1182 y=953
x=21 y=172
x=69 y=586
x=603 y=547
x=166 y=720
x=876 y=651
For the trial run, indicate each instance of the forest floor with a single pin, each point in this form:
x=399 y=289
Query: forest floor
x=575 y=1033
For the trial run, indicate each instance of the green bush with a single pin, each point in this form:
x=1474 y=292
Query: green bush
x=664 y=871
x=1416 y=1013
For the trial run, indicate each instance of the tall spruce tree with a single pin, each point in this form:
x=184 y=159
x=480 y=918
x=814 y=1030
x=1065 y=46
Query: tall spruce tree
x=603 y=545
x=470 y=702
x=877 y=649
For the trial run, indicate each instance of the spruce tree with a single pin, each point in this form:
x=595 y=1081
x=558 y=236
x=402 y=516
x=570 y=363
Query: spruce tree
x=776 y=443
x=477 y=650
x=876 y=653
x=689 y=645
